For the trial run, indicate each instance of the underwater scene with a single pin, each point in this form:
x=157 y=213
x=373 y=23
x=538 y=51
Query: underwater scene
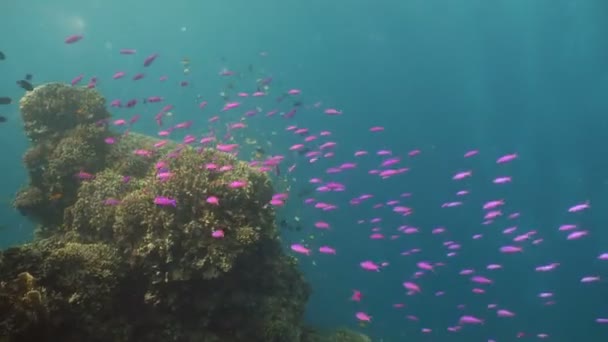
x=304 y=171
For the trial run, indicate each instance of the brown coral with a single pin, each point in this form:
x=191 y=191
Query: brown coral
x=114 y=266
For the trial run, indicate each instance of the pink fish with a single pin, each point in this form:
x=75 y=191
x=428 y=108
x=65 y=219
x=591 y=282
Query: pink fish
x=370 y=266
x=230 y=105
x=493 y=204
x=327 y=250
x=119 y=74
x=469 y=320
x=356 y=296
x=128 y=51
x=332 y=111
x=413 y=287
x=506 y=158
x=425 y=266
x=217 y=234
x=501 y=180
x=227 y=147
x=73 y=38
x=165 y=201
x=363 y=317
x=300 y=249
x=237 y=184
x=77 y=80
x=150 y=59
x=470 y=153
x=481 y=280
x=462 y=175
x=590 y=279
x=577 y=235
x=510 y=249
x=277 y=202
x=322 y=225
x=579 y=207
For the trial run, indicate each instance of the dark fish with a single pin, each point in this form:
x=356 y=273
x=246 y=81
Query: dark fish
x=25 y=85
x=5 y=100
x=2 y=118
x=28 y=77
x=2 y=56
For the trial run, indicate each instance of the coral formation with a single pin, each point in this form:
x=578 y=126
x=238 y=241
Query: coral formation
x=110 y=264
x=338 y=335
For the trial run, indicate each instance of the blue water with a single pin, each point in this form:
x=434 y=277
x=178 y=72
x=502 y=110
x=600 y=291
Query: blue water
x=444 y=77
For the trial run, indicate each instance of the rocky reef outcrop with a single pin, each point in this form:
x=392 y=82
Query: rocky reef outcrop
x=128 y=248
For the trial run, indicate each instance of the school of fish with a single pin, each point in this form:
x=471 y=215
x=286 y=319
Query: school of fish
x=224 y=124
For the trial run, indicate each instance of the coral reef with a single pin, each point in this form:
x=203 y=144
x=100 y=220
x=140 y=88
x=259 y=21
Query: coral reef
x=337 y=335
x=109 y=264
x=66 y=127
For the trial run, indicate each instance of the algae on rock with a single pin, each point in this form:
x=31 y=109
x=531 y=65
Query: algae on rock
x=111 y=265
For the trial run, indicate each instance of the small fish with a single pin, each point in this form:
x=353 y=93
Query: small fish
x=2 y=56
x=506 y=158
x=148 y=61
x=28 y=77
x=213 y=200
x=5 y=100
x=462 y=175
x=25 y=85
x=370 y=266
x=2 y=118
x=300 y=249
x=413 y=287
x=579 y=207
x=165 y=201
x=363 y=317
x=469 y=320
x=357 y=295
x=118 y=74
x=73 y=38
x=77 y=80
x=327 y=250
